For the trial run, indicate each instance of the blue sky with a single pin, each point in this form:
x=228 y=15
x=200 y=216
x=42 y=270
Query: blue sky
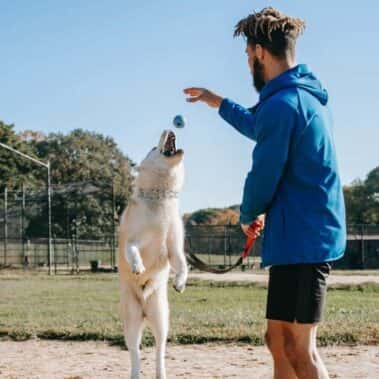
x=119 y=67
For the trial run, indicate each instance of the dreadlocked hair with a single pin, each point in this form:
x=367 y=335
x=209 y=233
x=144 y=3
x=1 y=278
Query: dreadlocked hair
x=272 y=29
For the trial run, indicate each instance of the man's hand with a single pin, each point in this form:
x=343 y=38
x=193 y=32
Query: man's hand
x=254 y=233
x=204 y=95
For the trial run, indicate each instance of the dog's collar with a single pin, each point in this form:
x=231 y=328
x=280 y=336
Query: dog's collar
x=157 y=194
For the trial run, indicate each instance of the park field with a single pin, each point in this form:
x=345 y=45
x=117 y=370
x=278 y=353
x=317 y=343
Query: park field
x=85 y=307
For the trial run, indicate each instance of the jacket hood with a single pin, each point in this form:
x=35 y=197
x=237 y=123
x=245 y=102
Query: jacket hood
x=300 y=77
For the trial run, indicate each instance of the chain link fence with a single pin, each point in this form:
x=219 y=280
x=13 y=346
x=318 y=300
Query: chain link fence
x=220 y=246
x=83 y=227
x=84 y=231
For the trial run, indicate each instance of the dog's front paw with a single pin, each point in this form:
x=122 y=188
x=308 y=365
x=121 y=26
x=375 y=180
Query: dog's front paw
x=138 y=268
x=180 y=283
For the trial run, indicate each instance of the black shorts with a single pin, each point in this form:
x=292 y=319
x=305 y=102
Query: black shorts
x=297 y=292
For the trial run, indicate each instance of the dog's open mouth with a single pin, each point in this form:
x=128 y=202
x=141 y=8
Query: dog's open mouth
x=169 y=147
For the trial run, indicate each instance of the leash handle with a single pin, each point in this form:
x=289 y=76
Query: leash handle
x=253 y=227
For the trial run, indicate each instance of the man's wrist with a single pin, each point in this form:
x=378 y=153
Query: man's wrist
x=218 y=101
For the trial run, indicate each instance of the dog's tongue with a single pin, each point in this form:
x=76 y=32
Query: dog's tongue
x=169 y=147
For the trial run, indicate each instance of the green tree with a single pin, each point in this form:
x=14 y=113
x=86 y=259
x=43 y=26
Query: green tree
x=362 y=200
x=87 y=170
x=14 y=170
x=371 y=214
x=213 y=216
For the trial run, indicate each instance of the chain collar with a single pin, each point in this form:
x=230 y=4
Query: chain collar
x=157 y=194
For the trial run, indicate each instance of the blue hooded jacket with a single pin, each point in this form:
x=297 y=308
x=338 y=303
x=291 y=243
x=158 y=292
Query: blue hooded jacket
x=294 y=178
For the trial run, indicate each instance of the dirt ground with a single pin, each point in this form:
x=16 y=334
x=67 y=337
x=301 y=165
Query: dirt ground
x=263 y=278
x=41 y=359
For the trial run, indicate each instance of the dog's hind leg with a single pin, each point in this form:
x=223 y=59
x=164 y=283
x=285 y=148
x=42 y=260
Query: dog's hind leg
x=156 y=310
x=133 y=257
x=132 y=318
x=177 y=259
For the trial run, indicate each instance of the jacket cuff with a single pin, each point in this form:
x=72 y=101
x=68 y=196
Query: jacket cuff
x=246 y=219
x=224 y=107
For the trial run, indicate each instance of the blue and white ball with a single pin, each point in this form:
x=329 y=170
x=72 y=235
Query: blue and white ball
x=179 y=121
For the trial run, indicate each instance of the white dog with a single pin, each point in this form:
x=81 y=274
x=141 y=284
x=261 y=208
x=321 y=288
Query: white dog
x=152 y=240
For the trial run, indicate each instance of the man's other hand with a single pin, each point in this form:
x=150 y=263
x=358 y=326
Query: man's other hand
x=204 y=95
x=254 y=232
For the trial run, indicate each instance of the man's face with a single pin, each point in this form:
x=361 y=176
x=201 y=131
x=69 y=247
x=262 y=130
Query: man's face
x=256 y=68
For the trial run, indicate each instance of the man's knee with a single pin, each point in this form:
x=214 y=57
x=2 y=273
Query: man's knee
x=298 y=354
x=274 y=343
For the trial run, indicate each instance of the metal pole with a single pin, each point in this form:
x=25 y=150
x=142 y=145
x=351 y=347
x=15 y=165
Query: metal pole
x=5 y=225
x=23 y=225
x=76 y=241
x=113 y=257
x=209 y=254
x=46 y=165
x=362 y=247
x=230 y=250
x=225 y=245
x=50 y=245
x=23 y=155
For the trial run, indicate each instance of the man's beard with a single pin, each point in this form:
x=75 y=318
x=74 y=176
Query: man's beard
x=258 y=79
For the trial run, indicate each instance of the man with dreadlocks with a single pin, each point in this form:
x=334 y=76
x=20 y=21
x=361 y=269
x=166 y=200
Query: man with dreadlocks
x=294 y=180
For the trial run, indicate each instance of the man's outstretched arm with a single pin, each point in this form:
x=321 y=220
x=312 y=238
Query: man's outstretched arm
x=236 y=115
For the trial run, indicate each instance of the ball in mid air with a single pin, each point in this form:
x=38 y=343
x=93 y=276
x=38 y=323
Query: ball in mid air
x=179 y=121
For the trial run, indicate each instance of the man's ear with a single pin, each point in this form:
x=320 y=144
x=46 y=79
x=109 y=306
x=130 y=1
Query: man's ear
x=259 y=52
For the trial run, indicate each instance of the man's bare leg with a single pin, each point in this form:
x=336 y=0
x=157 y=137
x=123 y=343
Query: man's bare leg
x=301 y=351
x=320 y=364
x=275 y=343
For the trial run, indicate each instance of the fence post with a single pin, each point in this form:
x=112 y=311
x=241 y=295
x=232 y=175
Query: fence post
x=230 y=249
x=5 y=225
x=113 y=252
x=75 y=241
x=24 y=256
x=50 y=245
x=225 y=244
x=363 y=258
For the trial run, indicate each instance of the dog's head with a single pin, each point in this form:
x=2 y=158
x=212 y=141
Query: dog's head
x=163 y=166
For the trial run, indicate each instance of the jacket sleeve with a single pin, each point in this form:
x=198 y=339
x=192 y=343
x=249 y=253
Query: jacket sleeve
x=239 y=117
x=269 y=159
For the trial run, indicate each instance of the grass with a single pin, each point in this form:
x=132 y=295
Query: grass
x=85 y=307
x=356 y=272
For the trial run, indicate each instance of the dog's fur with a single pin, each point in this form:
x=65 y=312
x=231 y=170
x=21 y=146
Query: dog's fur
x=151 y=240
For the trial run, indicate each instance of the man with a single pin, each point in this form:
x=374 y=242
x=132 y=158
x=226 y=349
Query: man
x=294 y=180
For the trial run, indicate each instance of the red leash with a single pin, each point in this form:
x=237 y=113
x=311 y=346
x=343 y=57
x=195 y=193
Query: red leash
x=255 y=227
x=193 y=260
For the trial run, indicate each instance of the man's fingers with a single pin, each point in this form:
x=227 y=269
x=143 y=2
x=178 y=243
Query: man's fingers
x=253 y=235
x=193 y=99
x=193 y=91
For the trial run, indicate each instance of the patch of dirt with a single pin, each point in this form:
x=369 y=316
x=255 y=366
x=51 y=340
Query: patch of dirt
x=41 y=359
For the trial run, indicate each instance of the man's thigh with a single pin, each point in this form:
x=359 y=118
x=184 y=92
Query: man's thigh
x=275 y=333
x=301 y=337
x=296 y=293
